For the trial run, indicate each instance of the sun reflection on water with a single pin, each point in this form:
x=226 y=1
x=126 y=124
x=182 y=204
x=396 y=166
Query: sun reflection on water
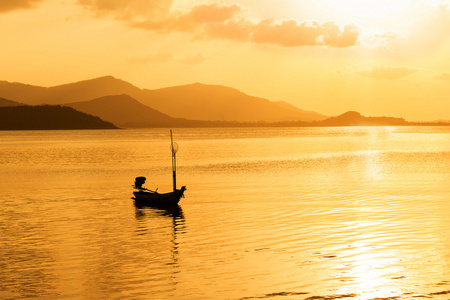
x=371 y=273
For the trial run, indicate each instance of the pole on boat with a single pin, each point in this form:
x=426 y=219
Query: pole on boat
x=174 y=150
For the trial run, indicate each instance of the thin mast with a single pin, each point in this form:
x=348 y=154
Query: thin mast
x=174 y=162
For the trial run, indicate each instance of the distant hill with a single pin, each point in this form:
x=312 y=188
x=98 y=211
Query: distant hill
x=125 y=112
x=307 y=115
x=353 y=118
x=25 y=93
x=6 y=102
x=214 y=102
x=193 y=101
x=48 y=118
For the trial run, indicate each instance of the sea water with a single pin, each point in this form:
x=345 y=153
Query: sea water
x=269 y=213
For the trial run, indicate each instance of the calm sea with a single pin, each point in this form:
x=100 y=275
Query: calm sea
x=269 y=213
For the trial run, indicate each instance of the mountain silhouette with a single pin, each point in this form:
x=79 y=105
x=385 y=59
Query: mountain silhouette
x=48 y=117
x=124 y=111
x=193 y=101
x=24 y=93
x=190 y=105
x=214 y=102
x=353 y=118
x=72 y=92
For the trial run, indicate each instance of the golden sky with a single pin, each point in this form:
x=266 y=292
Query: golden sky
x=378 y=57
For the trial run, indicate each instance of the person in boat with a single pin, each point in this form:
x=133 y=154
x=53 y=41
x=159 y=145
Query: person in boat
x=139 y=182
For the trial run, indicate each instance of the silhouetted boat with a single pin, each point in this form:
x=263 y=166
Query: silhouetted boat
x=143 y=196
x=154 y=198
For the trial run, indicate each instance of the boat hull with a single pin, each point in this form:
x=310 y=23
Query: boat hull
x=153 y=198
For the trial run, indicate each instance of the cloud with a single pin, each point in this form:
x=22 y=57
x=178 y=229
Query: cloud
x=199 y=17
x=220 y=21
x=128 y=10
x=10 y=5
x=212 y=13
x=373 y=38
x=239 y=30
x=388 y=73
x=428 y=33
x=290 y=33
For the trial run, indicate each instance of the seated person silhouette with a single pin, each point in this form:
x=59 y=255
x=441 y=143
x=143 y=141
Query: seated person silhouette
x=139 y=181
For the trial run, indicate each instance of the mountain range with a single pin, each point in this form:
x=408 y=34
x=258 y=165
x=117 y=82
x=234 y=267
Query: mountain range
x=193 y=101
x=194 y=105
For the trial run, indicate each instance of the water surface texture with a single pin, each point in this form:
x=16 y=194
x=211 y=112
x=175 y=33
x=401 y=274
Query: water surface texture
x=270 y=213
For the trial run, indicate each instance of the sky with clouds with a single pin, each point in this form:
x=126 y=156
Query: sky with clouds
x=377 y=57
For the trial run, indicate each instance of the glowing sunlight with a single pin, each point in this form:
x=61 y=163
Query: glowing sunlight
x=371 y=10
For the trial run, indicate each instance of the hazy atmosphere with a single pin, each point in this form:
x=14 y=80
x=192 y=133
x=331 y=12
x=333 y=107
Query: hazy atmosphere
x=229 y=149
x=381 y=58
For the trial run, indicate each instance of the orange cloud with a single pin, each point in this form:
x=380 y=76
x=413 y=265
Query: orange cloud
x=226 y=22
x=388 y=73
x=215 y=21
x=194 y=20
x=9 y=5
x=290 y=33
x=213 y=13
x=128 y=9
x=239 y=29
